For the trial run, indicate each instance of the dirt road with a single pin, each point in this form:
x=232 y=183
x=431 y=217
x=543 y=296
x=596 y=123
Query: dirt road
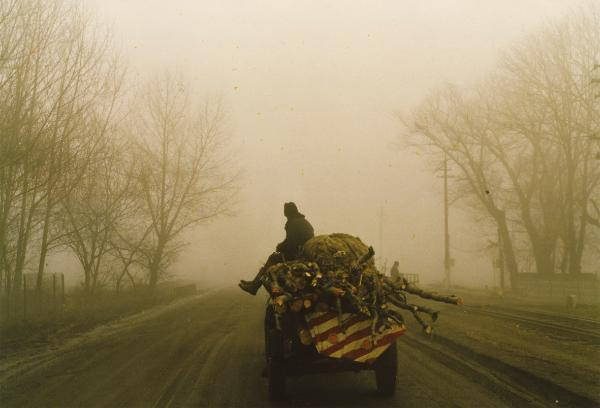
x=208 y=351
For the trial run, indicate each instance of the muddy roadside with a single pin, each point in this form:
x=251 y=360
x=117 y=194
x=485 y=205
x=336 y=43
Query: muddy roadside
x=546 y=346
x=79 y=316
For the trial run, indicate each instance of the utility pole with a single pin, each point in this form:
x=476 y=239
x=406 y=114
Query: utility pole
x=380 y=249
x=447 y=258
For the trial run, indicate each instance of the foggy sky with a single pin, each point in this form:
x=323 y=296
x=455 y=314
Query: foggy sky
x=312 y=88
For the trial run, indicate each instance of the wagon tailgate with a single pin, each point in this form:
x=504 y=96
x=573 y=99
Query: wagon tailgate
x=355 y=343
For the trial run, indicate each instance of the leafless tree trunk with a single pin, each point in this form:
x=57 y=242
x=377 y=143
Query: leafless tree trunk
x=522 y=141
x=55 y=67
x=447 y=123
x=543 y=96
x=184 y=174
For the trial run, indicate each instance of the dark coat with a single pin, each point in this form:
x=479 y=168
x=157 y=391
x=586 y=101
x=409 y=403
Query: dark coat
x=395 y=271
x=297 y=231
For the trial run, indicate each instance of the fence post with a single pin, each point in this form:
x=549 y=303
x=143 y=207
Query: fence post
x=62 y=284
x=54 y=293
x=24 y=297
x=7 y=304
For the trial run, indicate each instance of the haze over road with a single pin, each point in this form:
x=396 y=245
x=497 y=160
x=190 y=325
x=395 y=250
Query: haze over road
x=208 y=351
x=313 y=88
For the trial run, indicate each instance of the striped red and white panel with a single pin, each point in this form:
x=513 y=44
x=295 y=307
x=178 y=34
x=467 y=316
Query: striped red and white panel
x=356 y=342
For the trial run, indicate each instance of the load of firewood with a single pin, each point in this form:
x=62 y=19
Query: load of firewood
x=337 y=272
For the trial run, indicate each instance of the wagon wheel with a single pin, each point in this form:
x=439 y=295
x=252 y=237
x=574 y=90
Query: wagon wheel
x=386 y=368
x=275 y=366
x=275 y=357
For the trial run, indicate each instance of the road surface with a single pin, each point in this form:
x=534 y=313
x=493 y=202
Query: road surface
x=208 y=351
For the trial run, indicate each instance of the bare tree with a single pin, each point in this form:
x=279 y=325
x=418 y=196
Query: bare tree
x=543 y=99
x=55 y=66
x=25 y=35
x=449 y=124
x=93 y=211
x=131 y=238
x=183 y=174
x=522 y=142
x=595 y=218
x=87 y=75
x=129 y=247
x=28 y=75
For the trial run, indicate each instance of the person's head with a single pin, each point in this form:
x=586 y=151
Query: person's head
x=396 y=263
x=290 y=209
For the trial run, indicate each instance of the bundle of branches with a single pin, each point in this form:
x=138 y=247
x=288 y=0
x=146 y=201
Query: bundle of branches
x=337 y=272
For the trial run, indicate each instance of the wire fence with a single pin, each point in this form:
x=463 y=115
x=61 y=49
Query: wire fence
x=545 y=287
x=28 y=302
x=411 y=277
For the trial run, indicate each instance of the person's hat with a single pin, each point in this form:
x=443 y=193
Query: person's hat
x=290 y=209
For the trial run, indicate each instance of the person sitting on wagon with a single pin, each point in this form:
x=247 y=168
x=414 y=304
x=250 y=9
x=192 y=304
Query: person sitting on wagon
x=395 y=271
x=297 y=231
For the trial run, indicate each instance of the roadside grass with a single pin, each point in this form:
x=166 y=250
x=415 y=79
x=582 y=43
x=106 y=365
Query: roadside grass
x=493 y=296
x=79 y=314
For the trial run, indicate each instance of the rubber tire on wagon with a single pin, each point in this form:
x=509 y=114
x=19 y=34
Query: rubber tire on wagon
x=386 y=369
x=274 y=349
x=275 y=366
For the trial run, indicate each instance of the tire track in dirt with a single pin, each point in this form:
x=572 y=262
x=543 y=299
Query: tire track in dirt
x=129 y=368
x=570 y=319
x=590 y=335
x=162 y=369
x=209 y=352
x=21 y=364
x=235 y=379
x=225 y=368
x=512 y=384
x=203 y=358
x=190 y=338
